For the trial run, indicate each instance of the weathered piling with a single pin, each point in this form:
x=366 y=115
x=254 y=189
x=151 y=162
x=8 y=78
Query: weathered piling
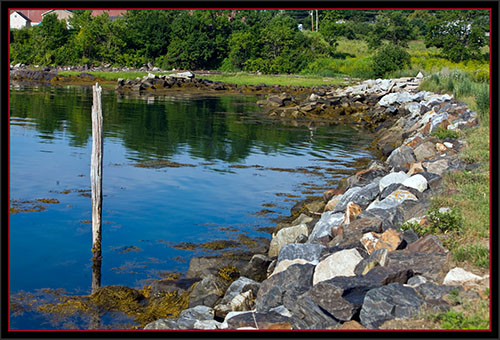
x=96 y=184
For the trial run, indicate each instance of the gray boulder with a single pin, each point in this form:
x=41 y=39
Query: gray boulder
x=308 y=251
x=208 y=291
x=359 y=195
x=323 y=228
x=401 y=156
x=256 y=269
x=306 y=314
x=389 y=302
x=342 y=297
x=295 y=280
x=433 y=266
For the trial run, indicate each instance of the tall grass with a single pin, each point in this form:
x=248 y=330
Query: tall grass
x=464 y=86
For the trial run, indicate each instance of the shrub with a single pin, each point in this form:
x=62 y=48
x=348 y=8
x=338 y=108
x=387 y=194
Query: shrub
x=443 y=133
x=390 y=58
x=445 y=221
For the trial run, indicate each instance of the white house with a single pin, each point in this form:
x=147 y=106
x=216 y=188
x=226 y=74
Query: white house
x=19 y=20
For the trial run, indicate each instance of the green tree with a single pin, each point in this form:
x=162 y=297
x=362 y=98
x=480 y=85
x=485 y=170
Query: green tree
x=393 y=26
x=390 y=58
x=460 y=33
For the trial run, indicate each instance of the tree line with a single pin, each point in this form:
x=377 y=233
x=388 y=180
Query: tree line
x=269 y=41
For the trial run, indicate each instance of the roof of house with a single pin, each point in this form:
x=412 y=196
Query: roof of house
x=35 y=15
x=21 y=15
x=111 y=12
x=52 y=10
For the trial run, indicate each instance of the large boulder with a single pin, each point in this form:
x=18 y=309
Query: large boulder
x=341 y=263
x=425 y=151
x=389 y=302
x=238 y=297
x=341 y=296
x=308 y=251
x=433 y=266
x=295 y=280
x=427 y=244
x=306 y=314
x=323 y=228
x=393 y=200
x=208 y=291
x=256 y=269
x=459 y=276
x=191 y=318
x=285 y=236
x=402 y=156
x=417 y=182
x=389 y=239
x=393 y=177
x=359 y=195
x=259 y=321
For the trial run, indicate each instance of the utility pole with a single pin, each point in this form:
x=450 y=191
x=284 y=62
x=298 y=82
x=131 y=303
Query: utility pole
x=312 y=21
x=317 y=20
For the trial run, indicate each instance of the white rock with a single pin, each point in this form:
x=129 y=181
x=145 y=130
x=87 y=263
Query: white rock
x=458 y=276
x=281 y=310
x=184 y=75
x=207 y=324
x=393 y=177
x=393 y=200
x=416 y=182
x=404 y=97
x=388 y=99
x=448 y=145
x=313 y=97
x=341 y=263
x=414 y=109
x=285 y=236
x=150 y=76
x=419 y=75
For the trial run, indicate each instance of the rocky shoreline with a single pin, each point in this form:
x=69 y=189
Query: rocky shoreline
x=345 y=262
x=342 y=262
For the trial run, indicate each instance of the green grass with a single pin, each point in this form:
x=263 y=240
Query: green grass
x=464 y=86
x=458 y=320
x=475 y=254
x=112 y=76
x=243 y=78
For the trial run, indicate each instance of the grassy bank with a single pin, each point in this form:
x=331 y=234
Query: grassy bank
x=467 y=193
x=243 y=78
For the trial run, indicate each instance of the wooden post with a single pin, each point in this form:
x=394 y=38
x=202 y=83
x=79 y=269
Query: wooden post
x=96 y=171
x=312 y=21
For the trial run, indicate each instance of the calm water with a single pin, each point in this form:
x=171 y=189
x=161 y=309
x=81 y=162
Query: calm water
x=147 y=210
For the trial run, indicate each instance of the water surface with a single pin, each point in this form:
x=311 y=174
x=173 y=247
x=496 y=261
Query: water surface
x=231 y=164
